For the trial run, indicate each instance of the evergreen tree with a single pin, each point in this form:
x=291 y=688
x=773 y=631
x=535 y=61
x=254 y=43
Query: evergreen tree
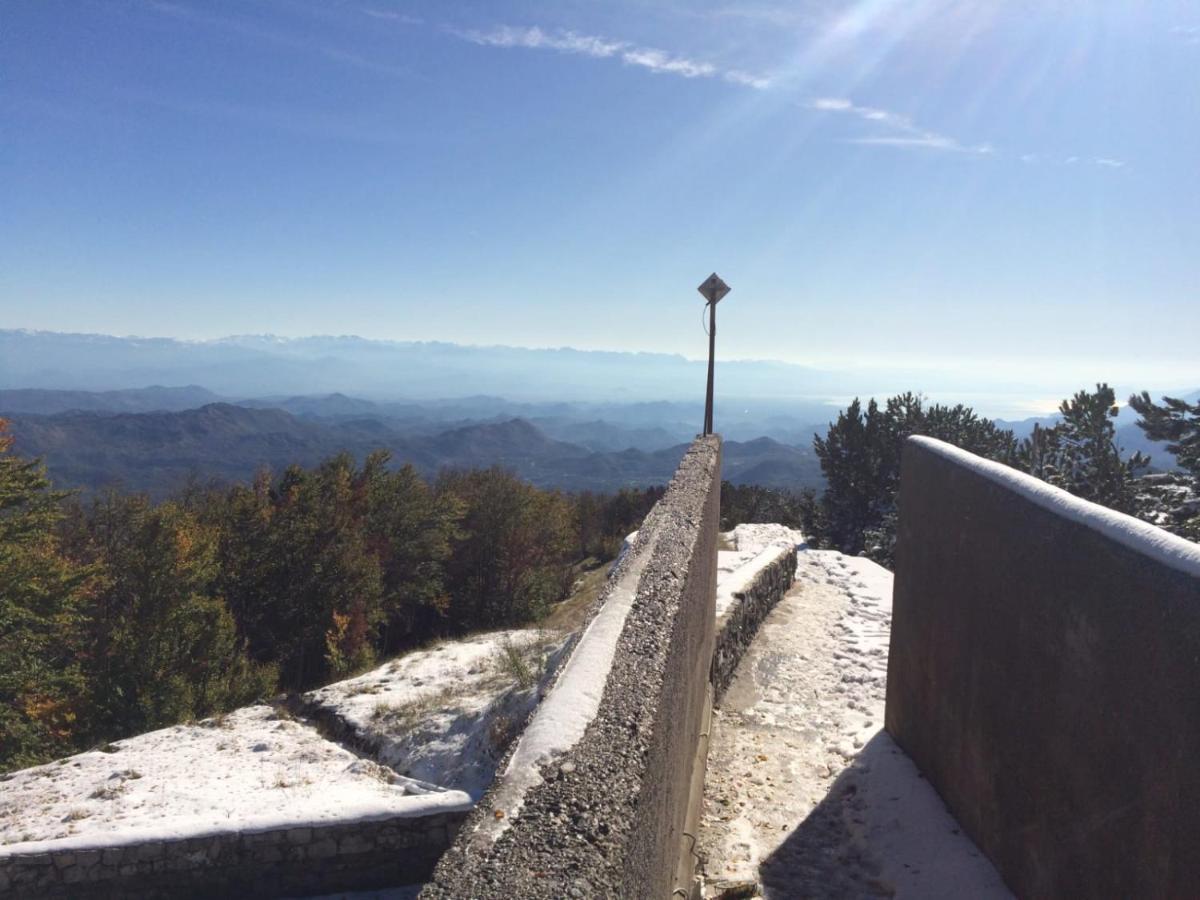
x=409 y=530
x=850 y=461
x=1080 y=453
x=1178 y=423
x=320 y=567
x=162 y=646
x=741 y=503
x=860 y=459
x=41 y=595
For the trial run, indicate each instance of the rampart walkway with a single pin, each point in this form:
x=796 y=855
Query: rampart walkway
x=804 y=792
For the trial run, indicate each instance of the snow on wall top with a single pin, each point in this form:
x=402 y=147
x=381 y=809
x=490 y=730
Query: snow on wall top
x=753 y=536
x=730 y=584
x=565 y=713
x=249 y=771
x=1142 y=537
x=756 y=546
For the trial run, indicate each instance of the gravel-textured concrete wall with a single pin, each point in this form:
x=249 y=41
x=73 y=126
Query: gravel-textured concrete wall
x=736 y=629
x=608 y=819
x=1044 y=675
x=295 y=861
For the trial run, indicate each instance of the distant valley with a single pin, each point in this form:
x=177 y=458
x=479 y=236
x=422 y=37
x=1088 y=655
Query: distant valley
x=97 y=440
x=156 y=439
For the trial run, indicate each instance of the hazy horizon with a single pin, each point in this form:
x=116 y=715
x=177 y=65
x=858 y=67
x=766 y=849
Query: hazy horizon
x=250 y=366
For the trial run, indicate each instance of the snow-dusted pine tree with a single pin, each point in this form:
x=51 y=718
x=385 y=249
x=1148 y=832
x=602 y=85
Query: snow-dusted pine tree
x=1174 y=497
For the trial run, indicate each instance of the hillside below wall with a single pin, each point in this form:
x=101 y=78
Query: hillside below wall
x=1044 y=675
x=606 y=818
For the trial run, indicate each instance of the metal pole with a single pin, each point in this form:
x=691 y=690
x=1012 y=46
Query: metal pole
x=712 y=348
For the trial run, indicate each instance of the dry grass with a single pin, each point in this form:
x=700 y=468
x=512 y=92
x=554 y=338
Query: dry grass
x=570 y=614
x=523 y=664
x=108 y=791
x=405 y=715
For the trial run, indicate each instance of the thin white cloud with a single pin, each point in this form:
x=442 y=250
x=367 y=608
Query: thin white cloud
x=931 y=141
x=572 y=42
x=392 y=16
x=904 y=132
x=833 y=104
x=658 y=61
x=1187 y=34
x=737 y=76
x=534 y=38
x=1104 y=162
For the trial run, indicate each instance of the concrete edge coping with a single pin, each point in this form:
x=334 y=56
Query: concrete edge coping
x=1141 y=537
x=142 y=836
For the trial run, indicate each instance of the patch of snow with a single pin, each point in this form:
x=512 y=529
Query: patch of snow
x=755 y=547
x=753 y=537
x=729 y=561
x=805 y=793
x=1162 y=546
x=623 y=552
x=922 y=852
x=732 y=583
x=251 y=770
x=444 y=715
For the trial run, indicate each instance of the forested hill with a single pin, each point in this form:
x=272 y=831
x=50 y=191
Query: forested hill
x=157 y=452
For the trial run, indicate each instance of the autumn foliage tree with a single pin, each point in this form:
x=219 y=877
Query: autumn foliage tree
x=511 y=550
x=119 y=614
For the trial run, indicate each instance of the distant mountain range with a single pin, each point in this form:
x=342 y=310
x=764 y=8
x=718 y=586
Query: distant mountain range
x=248 y=366
x=157 y=452
x=156 y=438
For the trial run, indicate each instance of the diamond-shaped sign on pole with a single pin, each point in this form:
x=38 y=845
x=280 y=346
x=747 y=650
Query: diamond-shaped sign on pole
x=713 y=288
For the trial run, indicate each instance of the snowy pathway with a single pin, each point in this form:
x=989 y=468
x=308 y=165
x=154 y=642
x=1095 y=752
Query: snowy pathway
x=805 y=793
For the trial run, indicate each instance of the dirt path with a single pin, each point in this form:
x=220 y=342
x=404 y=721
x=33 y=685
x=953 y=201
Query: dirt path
x=805 y=794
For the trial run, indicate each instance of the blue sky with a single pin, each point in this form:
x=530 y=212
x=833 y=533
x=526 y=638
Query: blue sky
x=1010 y=190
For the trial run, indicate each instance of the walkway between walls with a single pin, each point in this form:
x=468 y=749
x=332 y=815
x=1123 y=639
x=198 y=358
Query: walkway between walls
x=805 y=795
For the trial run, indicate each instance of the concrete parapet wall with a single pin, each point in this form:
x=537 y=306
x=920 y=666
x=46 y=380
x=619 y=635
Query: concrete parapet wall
x=1044 y=674
x=310 y=859
x=605 y=816
x=735 y=629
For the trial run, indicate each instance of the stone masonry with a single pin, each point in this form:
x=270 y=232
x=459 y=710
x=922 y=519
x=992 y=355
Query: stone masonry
x=736 y=629
x=294 y=861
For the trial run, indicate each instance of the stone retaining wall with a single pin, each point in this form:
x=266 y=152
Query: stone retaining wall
x=606 y=818
x=736 y=629
x=293 y=861
x=1044 y=676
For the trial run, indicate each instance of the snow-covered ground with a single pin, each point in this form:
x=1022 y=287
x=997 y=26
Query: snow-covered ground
x=254 y=769
x=754 y=548
x=748 y=541
x=445 y=715
x=804 y=792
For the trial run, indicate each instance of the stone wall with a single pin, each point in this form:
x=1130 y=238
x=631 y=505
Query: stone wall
x=606 y=818
x=1044 y=675
x=286 y=862
x=737 y=627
